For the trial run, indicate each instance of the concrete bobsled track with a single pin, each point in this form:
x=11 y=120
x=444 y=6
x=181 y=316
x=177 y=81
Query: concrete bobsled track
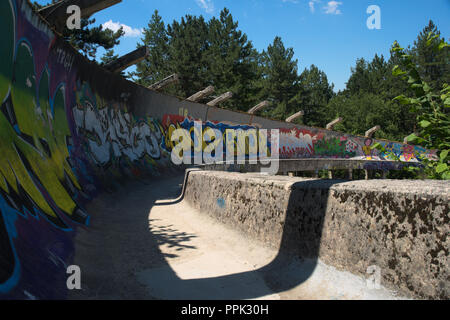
x=86 y=179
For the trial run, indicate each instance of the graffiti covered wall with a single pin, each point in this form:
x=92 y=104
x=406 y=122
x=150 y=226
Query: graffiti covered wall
x=320 y=143
x=69 y=129
x=60 y=143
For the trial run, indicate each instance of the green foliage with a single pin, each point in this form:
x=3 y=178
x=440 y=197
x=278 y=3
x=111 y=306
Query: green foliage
x=108 y=57
x=202 y=53
x=88 y=39
x=280 y=79
x=155 y=67
x=217 y=53
x=368 y=98
x=314 y=94
x=232 y=62
x=430 y=108
x=364 y=110
x=432 y=65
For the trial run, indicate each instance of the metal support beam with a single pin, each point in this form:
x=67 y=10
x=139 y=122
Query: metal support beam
x=56 y=13
x=369 y=133
x=165 y=82
x=201 y=94
x=331 y=125
x=295 y=116
x=222 y=98
x=127 y=60
x=258 y=107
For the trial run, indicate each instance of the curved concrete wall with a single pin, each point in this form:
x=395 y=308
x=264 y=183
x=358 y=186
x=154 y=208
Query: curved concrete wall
x=69 y=129
x=395 y=226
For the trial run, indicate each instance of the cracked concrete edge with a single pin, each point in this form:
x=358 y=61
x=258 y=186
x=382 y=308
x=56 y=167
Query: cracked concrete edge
x=399 y=225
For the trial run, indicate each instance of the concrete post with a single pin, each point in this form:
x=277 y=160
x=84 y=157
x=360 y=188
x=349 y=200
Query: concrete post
x=56 y=13
x=331 y=125
x=259 y=106
x=201 y=94
x=165 y=82
x=127 y=60
x=370 y=132
x=222 y=98
x=295 y=116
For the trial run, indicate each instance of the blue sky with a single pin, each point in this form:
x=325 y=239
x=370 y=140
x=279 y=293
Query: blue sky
x=329 y=34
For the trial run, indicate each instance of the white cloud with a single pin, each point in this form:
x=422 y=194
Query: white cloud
x=312 y=5
x=206 y=5
x=332 y=7
x=129 y=31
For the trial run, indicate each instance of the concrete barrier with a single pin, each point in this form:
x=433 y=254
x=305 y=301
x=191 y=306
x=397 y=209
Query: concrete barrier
x=398 y=226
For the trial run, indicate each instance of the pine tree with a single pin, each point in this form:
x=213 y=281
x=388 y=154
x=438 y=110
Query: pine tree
x=359 y=78
x=280 y=79
x=232 y=61
x=88 y=39
x=314 y=95
x=155 y=66
x=188 y=42
x=108 y=57
x=433 y=65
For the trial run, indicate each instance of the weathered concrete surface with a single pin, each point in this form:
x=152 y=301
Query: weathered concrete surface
x=313 y=164
x=399 y=226
x=164 y=249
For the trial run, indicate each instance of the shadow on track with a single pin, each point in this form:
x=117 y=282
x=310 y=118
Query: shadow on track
x=120 y=244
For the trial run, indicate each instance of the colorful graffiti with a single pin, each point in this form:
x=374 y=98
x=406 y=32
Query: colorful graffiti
x=247 y=146
x=55 y=134
x=110 y=133
x=37 y=181
x=295 y=143
x=305 y=143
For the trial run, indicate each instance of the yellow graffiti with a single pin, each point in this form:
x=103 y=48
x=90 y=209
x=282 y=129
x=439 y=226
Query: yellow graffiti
x=41 y=145
x=240 y=142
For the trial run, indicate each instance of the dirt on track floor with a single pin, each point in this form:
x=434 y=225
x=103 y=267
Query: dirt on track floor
x=144 y=242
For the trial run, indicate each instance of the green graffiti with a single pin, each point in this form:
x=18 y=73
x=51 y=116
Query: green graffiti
x=39 y=153
x=332 y=147
x=7 y=47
